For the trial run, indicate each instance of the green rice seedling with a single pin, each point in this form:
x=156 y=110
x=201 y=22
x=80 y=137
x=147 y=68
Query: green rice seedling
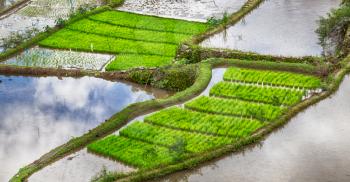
x=126 y=61
x=272 y=77
x=205 y=123
x=133 y=20
x=69 y=39
x=132 y=152
x=265 y=94
x=95 y=27
x=195 y=142
x=235 y=107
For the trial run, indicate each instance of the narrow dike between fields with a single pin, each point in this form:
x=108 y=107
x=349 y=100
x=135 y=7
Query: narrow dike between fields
x=41 y=113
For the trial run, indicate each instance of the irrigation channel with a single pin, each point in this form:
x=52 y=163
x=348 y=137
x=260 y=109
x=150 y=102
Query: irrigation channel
x=40 y=113
x=279 y=27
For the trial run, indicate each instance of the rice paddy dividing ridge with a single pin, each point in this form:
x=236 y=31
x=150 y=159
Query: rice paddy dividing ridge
x=138 y=40
x=232 y=112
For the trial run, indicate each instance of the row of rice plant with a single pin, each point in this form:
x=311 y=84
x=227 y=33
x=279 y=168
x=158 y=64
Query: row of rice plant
x=205 y=123
x=132 y=152
x=270 y=95
x=236 y=108
x=139 y=40
x=154 y=23
x=272 y=77
x=75 y=40
x=96 y=27
x=200 y=122
x=195 y=142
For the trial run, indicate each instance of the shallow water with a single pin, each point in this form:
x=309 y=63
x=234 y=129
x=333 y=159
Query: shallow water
x=49 y=58
x=197 y=10
x=38 y=114
x=312 y=147
x=278 y=27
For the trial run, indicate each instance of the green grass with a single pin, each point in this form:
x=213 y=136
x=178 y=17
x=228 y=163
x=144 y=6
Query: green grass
x=235 y=107
x=270 y=95
x=168 y=137
x=133 y=20
x=272 y=77
x=126 y=61
x=95 y=27
x=132 y=152
x=205 y=123
x=69 y=39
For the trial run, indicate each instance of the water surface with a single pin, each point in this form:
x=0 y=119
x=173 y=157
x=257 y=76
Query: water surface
x=313 y=147
x=278 y=27
x=197 y=10
x=38 y=114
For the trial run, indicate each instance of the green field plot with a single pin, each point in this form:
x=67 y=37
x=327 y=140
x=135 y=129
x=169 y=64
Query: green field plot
x=75 y=40
x=155 y=40
x=235 y=107
x=193 y=142
x=126 y=61
x=271 y=95
x=95 y=27
x=272 y=77
x=205 y=123
x=138 y=21
x=132 y=152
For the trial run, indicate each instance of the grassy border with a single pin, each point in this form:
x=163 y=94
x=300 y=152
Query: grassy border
x=115 y=122
x=142 y=175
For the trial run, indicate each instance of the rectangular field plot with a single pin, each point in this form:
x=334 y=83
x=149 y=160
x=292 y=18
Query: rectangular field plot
x=205 y=123
x=132 y=152
x=138 y=21
x=272 y=77
x=192 y=142
x=154 y=39
x=235 y=107
x=265 y=94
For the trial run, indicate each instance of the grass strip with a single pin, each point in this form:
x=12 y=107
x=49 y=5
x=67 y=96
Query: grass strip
x=69 y=39
x=272 y=77
x=188 y=120
x=95 y=27
x=265 y=94
x=191 y=142
x=127 y=61
x=236 y=108
x=133 y=20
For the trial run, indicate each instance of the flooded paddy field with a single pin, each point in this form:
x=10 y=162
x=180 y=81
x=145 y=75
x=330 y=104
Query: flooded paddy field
x=198 y=10
x=38 y=114
x=39 y=14
x=278 y=27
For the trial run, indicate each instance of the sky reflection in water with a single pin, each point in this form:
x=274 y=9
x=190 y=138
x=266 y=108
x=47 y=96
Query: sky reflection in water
x=38 y=114
x=278 y=27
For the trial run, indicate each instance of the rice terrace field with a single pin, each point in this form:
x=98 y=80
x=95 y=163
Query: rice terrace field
x=124 y=90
